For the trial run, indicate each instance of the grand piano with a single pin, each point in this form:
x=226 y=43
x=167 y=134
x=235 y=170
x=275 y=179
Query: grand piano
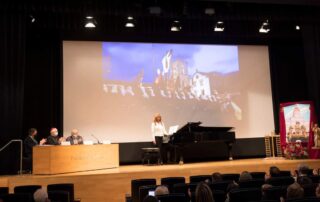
x=193 y=133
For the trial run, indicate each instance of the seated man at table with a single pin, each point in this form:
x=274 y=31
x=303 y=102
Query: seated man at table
x=53 y=138
x=75 y=138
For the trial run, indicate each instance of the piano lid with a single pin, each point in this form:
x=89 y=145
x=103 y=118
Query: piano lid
x=194 y=126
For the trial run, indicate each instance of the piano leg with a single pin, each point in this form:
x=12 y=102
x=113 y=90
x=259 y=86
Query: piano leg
x=229 y=145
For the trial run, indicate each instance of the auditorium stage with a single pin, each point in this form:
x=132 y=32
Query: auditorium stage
x=111 y=185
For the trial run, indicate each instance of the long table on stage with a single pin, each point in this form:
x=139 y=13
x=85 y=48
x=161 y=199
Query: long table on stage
x=74 y=158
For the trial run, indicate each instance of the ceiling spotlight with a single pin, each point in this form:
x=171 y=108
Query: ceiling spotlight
x=219 y=27
x=90 y=22
x=265 y=27
x=32 y=19
x=176 y=26
x=297 y=27
x=130 y=22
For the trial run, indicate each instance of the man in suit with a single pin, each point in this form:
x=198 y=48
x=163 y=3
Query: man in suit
x=75 y=138
x=53 y=138
x=28 y=144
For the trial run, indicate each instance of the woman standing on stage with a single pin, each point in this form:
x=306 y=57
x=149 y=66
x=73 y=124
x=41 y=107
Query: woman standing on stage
x=158 y=130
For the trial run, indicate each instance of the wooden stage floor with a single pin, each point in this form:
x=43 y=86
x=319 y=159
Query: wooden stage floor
x=112 y=185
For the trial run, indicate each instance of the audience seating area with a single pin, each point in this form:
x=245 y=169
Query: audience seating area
x=56 y=193
x=250 y=190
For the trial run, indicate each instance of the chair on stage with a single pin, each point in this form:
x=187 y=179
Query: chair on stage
x=200 y=178
x=250 y=194
x=231 y=176
x=175 y=197
x=4 y=190
x=26 y=189
x=258 y=175
x=254 y=183
x=135 y=186
x=281 y=181
x=151 y=155
x=170 y=181
x=144 y=191
x=68 y=187
x=59 y=196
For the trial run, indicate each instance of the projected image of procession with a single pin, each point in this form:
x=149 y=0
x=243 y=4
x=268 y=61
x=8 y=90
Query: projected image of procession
x=180 y=72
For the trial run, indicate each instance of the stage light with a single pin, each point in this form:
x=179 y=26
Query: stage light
x=219 y=27
x=90 y=22
x=32 y=19
x=130 y=22
x=297 y=27
x=176 y=26
x=265 y=27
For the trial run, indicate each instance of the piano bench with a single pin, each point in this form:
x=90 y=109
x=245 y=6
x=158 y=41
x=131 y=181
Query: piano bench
x=150 y=154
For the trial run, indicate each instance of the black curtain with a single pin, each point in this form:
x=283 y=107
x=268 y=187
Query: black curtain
x=12 y=73
x=43 y=81
x=311 y=41
x=288 y=76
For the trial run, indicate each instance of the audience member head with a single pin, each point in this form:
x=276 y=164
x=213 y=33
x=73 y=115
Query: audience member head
x=161 y=190
x=203 y=193
x=318 y=191
x=75 y=132
x=41 y=195
x=150 y=199
x=274 y=171
x=304 y=180
x=245 y=176
x=32 y=132
x=216 y=177
x=303 y=170
x=54 y=132
x=295 y=191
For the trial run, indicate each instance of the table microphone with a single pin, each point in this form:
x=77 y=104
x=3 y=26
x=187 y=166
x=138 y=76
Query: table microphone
x=96 y=139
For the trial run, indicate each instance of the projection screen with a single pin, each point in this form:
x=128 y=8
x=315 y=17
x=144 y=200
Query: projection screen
x=112 y=90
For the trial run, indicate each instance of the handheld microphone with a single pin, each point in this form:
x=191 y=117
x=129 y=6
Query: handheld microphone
x=98 y=141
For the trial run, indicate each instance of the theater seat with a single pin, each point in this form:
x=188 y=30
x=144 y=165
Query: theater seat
x=59 y=196
x=172 y=198
x=170 y=181
x=281 y=181
x=274 y=193
x=68 y=187
x=222 y=186
x=4 y=190
x=27 y=189
x=231 y=176
x=219 y=196
x=19 y=197
x=258 y=175
x=181 y=188
x=244 y=195
x=285 y=173
x=306 y=199
x=200 y=178
x=144 y=191
x=136 y=184
x=254 y=183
